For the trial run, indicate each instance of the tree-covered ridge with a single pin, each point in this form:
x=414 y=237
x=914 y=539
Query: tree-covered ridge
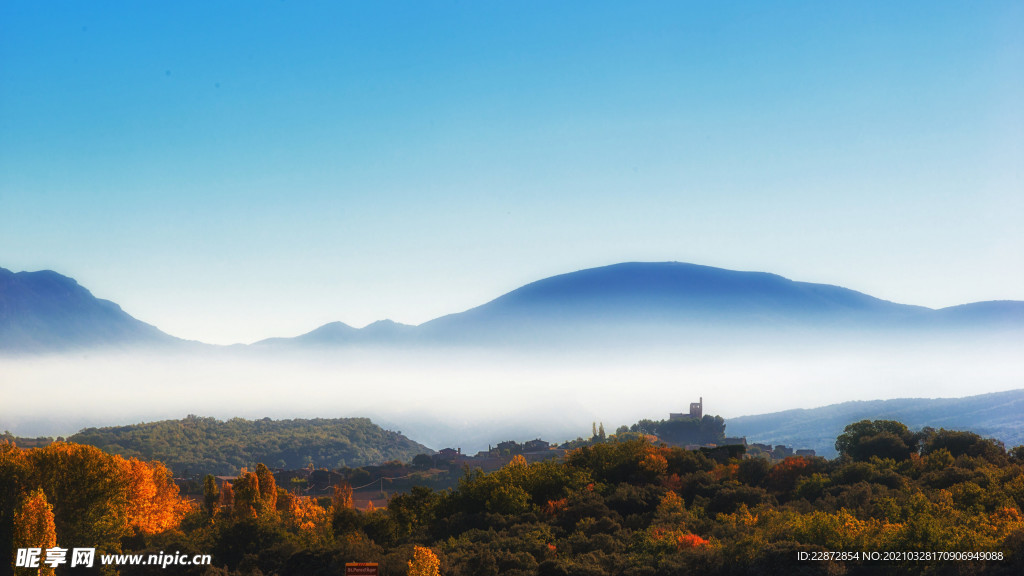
x=618 y=507
x=209 y=446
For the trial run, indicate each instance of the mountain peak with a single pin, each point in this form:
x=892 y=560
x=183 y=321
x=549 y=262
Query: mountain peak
x=677 y=291
x=45 y=310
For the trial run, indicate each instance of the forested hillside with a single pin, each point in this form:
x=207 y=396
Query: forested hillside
x=197 y=445
x=933 y=502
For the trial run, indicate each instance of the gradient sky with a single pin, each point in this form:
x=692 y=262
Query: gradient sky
x=234 y=171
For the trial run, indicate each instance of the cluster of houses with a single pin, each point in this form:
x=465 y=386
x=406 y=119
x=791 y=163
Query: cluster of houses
x=497 y=456
x=778 y=452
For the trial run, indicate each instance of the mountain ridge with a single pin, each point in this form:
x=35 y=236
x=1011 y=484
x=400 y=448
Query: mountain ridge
x=643 y=292
x=45 y=311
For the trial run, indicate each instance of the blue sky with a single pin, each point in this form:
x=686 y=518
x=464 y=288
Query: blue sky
x=234 y=171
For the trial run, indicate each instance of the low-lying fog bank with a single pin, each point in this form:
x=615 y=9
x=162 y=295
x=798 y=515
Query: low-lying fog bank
x=472 y=398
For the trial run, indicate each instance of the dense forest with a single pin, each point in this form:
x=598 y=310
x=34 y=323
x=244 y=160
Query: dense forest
x=628 y=507
x=197 y=445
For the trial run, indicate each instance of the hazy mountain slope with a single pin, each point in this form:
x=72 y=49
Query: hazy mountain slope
x=335 y=333
x=632 y=302
x=42 y=311
x=208 y=445
x=637 y=298
x=999 y=415
x=638 y=301
x=330 y=333
x=995 y=313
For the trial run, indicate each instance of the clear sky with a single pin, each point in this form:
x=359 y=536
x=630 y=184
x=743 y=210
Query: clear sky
x=230 y=171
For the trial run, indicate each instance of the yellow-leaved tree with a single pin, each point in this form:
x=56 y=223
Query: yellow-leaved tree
x=342 y=498
x=424 y=562
x=303 y=515
x=14 y=483
x=34 y=528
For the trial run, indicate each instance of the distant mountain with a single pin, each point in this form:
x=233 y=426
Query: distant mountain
x=44 y=311
x=633 y=302
x=334 y=333
x=996 y=313
x=997 y=415
x=207 y=445
x=670 y=295
x=658 y=301
x=331 y=333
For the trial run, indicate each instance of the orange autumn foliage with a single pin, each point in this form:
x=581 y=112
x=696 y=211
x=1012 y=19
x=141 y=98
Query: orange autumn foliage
x=554 y=507
x=684 y=541
x=517 y=461
x=783 y=476
x=342 y=498
x=673 y=482
x=154 y=504
x=654 y=464
x=227 y=495
x=1005 y=520
x=679 y=538
x=34 y=528
x=306 y=517
x=99 y=498
x=268 y=487
x=725 y=472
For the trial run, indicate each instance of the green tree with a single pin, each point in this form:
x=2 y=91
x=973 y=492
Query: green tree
x=247 y=495
x=964 y=443
x=414 y=509
x=89 y=491
x=211 y=495
x=883 y=438
x=753 y=471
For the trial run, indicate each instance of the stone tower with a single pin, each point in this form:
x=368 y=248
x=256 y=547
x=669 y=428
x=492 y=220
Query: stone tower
x=697 y=409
